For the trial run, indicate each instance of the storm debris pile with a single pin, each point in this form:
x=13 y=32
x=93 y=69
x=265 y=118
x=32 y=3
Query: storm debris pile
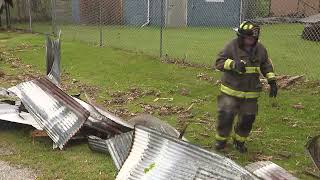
x=142 y=148
x=62 y=116
x=284 y=81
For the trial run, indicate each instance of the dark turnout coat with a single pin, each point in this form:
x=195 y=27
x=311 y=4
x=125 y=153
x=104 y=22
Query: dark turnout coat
x=244 y=85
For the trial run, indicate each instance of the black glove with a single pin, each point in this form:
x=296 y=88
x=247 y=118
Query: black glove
x=240 y=67
x=273 y=88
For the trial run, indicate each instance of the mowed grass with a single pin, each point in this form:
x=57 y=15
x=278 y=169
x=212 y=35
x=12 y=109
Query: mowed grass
x=290 y=53
x=278 y=130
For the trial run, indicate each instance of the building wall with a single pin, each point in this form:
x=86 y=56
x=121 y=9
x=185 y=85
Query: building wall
x=199 y=12
x=292 y=7
x=75 y=11
x=135 y=12
x=63 y=8
x=111 y=11
x=203 y=13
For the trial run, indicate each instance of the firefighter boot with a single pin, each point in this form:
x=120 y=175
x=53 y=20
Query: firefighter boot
x=224 y=128
x=242 y=131
x=220 y=145
x=240 y=146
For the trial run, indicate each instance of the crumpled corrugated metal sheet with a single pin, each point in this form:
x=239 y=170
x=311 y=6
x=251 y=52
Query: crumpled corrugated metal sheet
x=58 y=113
x=97 y=144
x=53 y=56
x=119 y=148
x=104 y=121
x=269 y=171
x=157 y=156
x=313 y=148
x=11 y=113
x=152 y=122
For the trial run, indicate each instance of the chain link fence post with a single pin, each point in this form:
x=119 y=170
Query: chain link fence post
x=30 y=16
x=161 y=28
x=100 y=23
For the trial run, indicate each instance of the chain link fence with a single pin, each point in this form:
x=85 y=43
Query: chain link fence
x=192 y=31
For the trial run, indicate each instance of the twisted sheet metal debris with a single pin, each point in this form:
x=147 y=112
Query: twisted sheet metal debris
x=104 y=121
x=152 y=122
x=157 y=156
x=97 y=144
x=59 y=114
x=269 y=171
x=119 y=148
x=313 y=148
x=11 y=113
x=53 y=57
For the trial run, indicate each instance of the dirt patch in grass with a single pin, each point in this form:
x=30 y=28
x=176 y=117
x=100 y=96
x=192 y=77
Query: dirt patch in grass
x=6 y=151
x=183 y=62
x=9 y=172
x=123 y=97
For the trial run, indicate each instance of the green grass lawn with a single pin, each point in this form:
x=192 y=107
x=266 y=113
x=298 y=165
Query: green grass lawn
x=289 y=52
x=277 y=130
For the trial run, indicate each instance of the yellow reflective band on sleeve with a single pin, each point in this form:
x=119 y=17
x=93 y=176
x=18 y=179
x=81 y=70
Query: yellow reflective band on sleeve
x=240 y=138
x=253 y=70
x=250 y=26
x=220 y=138
x=242 y=24
x=239 y=94
x=245 y=27
x=227 y=64
x=270 y=75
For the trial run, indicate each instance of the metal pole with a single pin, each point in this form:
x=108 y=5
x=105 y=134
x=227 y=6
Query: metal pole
x=100 y=23
x=7 y=13
x=241 y=9
x=161 y=28
x=30 y=18
x=270 y=6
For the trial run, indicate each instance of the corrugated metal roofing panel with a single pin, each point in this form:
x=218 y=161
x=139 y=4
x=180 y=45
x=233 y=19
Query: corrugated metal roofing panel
x=98 y=144
x=58 y=113
x=53 y=56
x=11 y=113
x=119 y=147
x=313 y=148
x=158 y=156
x=104 y=121
x=153 y=122
x=269 y=171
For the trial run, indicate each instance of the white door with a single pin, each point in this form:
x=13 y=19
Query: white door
x=176 y=13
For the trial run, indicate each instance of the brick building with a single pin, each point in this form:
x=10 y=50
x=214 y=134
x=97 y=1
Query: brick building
x=294 y=7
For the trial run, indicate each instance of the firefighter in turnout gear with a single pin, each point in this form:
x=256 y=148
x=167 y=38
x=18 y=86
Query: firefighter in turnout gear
x=242 y=61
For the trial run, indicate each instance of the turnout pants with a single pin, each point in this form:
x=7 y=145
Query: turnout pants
x=228 y=108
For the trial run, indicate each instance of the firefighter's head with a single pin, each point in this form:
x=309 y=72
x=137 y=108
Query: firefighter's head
x=249 y=33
